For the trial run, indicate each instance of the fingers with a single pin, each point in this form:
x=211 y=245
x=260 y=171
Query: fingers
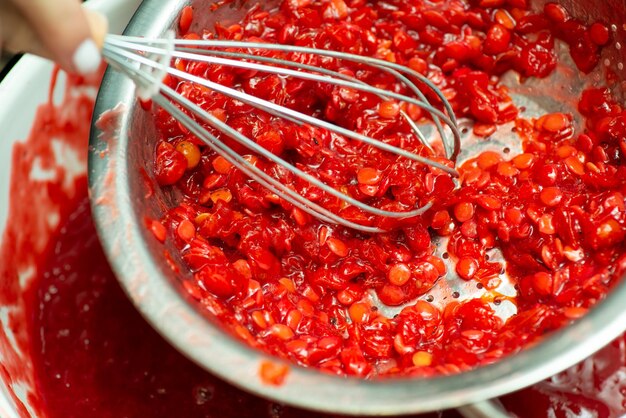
x=60 y=30
x=16 y=35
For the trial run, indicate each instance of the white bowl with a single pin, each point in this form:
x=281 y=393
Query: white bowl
x=23 y=89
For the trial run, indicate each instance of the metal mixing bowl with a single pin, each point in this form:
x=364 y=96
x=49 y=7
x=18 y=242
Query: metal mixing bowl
x=123 y=196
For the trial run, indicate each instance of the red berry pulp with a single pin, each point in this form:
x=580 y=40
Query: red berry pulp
x=301 y=289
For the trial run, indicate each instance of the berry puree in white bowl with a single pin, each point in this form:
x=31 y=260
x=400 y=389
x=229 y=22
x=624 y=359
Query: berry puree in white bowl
x=72 y=345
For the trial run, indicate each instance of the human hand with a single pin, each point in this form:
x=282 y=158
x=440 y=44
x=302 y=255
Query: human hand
x=61 y=30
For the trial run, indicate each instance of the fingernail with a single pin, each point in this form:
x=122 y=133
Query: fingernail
x=99 y=25
x=86 y=58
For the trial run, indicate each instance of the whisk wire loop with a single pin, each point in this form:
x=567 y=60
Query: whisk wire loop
x=283 y=191
x=132 y=56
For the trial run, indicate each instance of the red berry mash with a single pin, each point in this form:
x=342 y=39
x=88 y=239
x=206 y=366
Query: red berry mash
x=301 y=289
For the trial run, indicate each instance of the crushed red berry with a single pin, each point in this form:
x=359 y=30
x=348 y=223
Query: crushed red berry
x=304 y=290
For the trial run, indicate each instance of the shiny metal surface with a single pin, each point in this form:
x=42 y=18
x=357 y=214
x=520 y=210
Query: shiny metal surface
x=121 y=198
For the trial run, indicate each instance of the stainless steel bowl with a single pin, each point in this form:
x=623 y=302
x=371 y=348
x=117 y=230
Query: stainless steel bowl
x=123 y=196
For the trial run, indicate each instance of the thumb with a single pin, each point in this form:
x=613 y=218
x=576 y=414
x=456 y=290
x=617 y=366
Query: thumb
x=60 y=30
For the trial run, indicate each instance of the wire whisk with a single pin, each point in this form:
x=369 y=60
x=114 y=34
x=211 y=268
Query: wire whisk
x=148 y=61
